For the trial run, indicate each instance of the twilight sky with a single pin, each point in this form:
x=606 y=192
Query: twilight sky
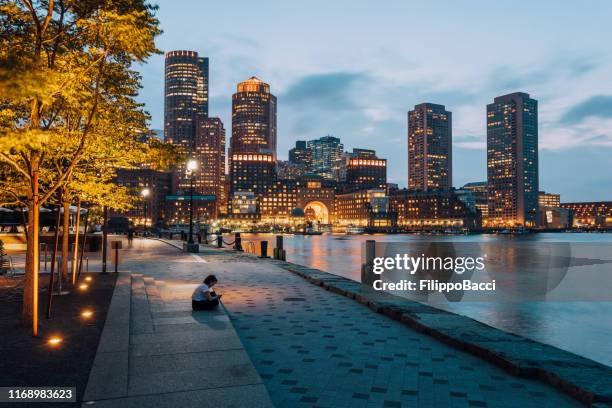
x=354 y=68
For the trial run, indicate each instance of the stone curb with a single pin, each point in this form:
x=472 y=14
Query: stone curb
x=583 y=379
x=108 y=377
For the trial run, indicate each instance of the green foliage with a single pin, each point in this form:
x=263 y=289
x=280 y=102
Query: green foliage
x=67 y=97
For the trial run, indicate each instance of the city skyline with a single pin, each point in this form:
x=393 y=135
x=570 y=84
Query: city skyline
x=574 y=117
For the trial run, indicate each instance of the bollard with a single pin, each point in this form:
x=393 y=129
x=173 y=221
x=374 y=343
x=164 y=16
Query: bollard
x=219 y=241
x=116 y=245
x=237 y=242
x=279 y=247
x=367 y=276
x=199 y=238
x=264 y=249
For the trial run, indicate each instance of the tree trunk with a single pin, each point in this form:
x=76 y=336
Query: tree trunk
x=65 y=240
x=51 y=288
x=76 y=242
x=30 y=288
x=105 y=239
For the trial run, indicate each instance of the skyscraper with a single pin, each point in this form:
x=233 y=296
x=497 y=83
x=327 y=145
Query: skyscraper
x=253 y=118
x=186 y=95
x=301 y=155
x=187 y=125
x=430 y=154
x=512 y=160
x=210 y=153
x=252 y=161
x=326 y=156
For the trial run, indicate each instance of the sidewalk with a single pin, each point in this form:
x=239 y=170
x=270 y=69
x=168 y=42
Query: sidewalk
x=155 y=351
x=312 y=347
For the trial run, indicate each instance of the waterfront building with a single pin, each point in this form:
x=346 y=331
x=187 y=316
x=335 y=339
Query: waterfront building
x=244 y=202
x=252 y=155
x=317 y=199
x=253 y=172
x=278 y=202
x=243 y=209
x=158 y=184
x=512 y=161
x=593 y=214
x=434 y=210
x=253 y=118
x=430 y=154
x=363 y=170
x=326 y=156
x=479 y=191
x=364 y=208
x=549 y=199
x=554 y=217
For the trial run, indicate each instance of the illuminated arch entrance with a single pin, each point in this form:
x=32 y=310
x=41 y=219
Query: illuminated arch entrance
x=316 y=212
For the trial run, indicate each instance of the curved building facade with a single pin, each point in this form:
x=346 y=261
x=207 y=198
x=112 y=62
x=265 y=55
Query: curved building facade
x=253 y=118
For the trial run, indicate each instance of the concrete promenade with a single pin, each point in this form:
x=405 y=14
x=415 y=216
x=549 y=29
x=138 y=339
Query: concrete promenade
x=306 y=345
x=155 y=352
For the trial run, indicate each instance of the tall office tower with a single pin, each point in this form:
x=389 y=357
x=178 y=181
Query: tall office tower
x=186 y=99
x=430 y=152
x=253 y=118
x=301 y=155
x=512 y=160
x=186 y=94
x=210 y=153
x=326 y=154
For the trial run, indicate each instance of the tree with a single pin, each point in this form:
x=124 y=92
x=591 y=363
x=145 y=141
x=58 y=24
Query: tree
x=64 y=64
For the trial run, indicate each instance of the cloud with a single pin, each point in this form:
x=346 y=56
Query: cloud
x=328 y=90
x=598 y=106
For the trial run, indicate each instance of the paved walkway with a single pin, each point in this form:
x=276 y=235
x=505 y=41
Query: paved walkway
x=155 y=351
x=311 y=347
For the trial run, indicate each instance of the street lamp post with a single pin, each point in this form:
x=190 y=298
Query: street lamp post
x=192 y=166
x=145 y=194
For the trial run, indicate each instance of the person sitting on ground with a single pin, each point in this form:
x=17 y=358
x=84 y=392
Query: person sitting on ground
x=203 y=297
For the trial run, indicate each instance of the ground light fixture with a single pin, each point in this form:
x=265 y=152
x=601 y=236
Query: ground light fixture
x=88 y=279
x=83 y=286
x=54 y=341
x=87 y=313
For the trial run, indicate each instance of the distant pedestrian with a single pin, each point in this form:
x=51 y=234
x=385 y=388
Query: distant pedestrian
x=203 y=297
x=130 y=237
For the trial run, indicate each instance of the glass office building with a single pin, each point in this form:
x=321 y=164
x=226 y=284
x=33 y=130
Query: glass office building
x=430 y=154
x=512 y=161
